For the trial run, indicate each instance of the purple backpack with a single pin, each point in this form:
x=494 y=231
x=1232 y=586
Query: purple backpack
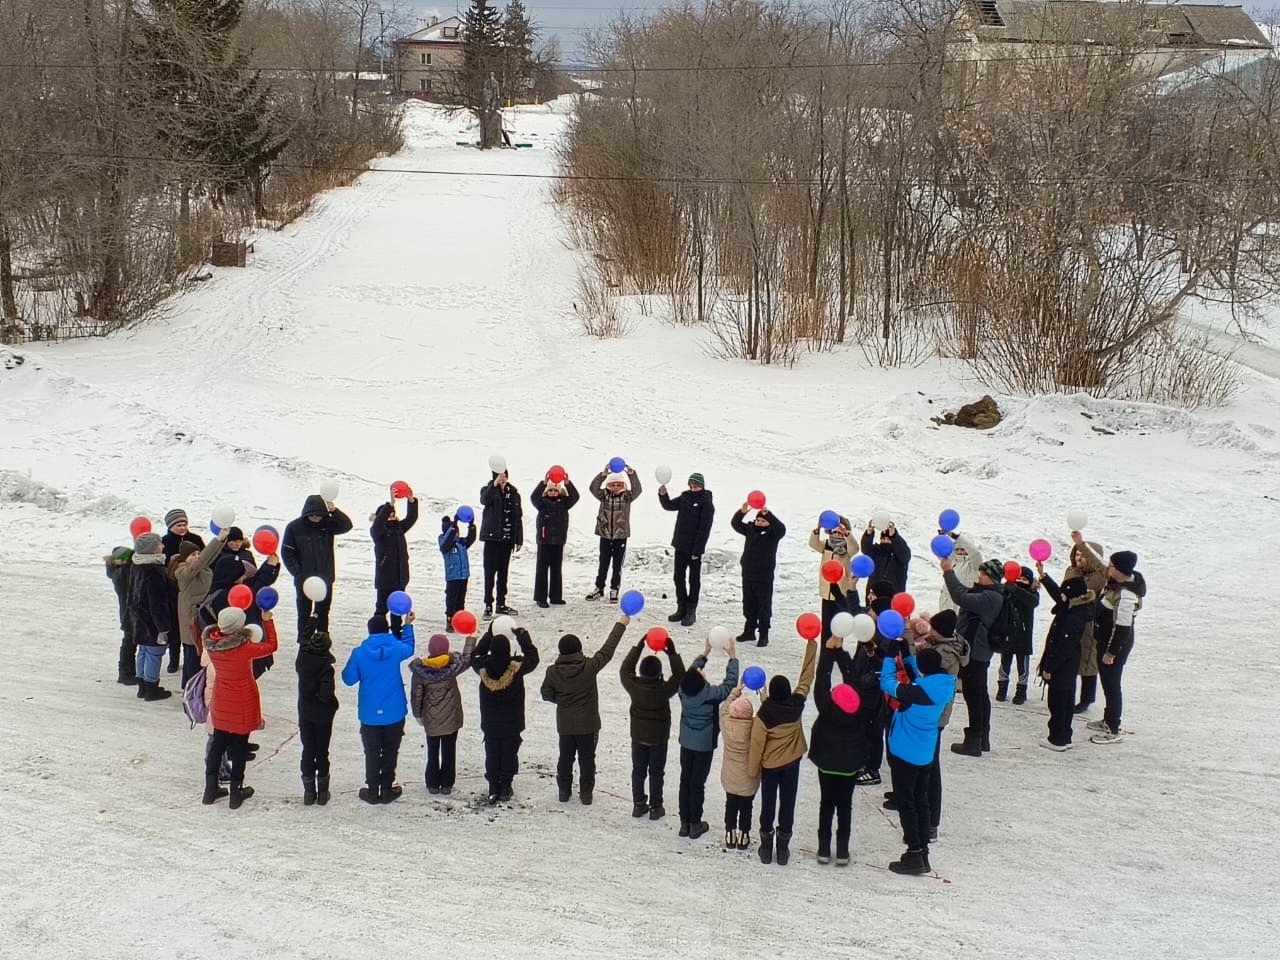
x=193 y=704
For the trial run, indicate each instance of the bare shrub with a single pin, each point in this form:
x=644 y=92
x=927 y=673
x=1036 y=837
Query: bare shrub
x=597 y=307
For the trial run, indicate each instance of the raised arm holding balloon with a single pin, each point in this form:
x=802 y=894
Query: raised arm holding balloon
x=695 y=511
x=616 y=487
x=759 y=560
x=837 y=548
x=307 y=551
x=502 y=532
x=391 y=548
x=699 y=702
x=553 y=498
x=889 y=552
x=650 y=724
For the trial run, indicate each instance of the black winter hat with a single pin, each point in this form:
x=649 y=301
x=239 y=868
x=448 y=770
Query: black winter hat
x=235 y=533
x=1027 y=574
x=1126 y=561
x=944 y=623
x=930 y=661
x=881 y=604
x=570 y=644
x=446 y=524
x=378 y=624
x=692 y=683
x=1074 y=587
x=883 y=589
x=779 y=688
x=650 y=668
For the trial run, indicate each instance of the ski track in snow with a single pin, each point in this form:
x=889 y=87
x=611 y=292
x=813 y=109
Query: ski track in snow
x=406 y=328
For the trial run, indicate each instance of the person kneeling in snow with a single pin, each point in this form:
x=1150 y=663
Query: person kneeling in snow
x=375 y=666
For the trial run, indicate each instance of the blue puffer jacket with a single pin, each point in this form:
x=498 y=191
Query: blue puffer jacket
x=375 y=665
x=457 y=566
x=913 y=729
x=698 y=712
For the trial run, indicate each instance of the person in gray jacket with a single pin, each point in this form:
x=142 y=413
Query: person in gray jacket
x=699 y=702
x=980 y=606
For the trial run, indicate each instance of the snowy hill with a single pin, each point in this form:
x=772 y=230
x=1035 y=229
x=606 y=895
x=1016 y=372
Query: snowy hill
x=420 y=320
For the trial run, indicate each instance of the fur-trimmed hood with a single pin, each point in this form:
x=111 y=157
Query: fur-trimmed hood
x=502 y=682
x=215 y=639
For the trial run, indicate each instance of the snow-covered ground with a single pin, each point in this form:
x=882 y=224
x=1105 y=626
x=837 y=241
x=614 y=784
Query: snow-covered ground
x=413 y=324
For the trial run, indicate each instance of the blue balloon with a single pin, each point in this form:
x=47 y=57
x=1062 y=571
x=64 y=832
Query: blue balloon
x=632 y=602
x=890 y=624
x=942 y=546
x=829 y=520
x=753 y=678
x=214 y=528
x=617 y=465
x=862 y=566
x=267 y=598
x=948 y=520
x=466 y=514
x=399 y=603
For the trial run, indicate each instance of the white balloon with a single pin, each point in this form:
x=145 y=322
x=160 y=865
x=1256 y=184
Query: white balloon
x=497 y=463
x=864 y=628
x=880 y=519
x=842 y=624
x=315 y=589
x=506 y=626
x=1077 y=519
x=662 y=475
x=224 y=516
x=329 y=491
x=719 y=638
x=255 y=633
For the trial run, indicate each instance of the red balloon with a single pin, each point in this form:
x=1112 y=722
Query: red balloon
x=656 y=639
x=138 y=526
x=464 y=622
x=1012 y=570
x=265 y=540
x=809 y=626
x=401 y=490
x=904 y=603
x=240 y=596
x=755 y=500
x=557 y=474
x=832 y=571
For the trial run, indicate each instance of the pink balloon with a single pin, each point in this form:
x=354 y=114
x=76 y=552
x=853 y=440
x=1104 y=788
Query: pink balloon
x=1041 y=550
x=845 y=697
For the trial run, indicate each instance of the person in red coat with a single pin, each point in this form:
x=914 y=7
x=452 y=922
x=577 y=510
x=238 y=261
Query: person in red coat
x=236 y=708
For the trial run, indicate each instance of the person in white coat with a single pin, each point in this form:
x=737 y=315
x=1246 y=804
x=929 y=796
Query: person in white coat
x=966 y=559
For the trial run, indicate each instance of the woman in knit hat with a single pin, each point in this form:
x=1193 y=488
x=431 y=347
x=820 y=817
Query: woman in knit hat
x=616 y=492
x=436 y=702
x=151 y=609
x=740 y=785
x=837 y=546
x=190 y=569
x=502 y=705
x=178 y=532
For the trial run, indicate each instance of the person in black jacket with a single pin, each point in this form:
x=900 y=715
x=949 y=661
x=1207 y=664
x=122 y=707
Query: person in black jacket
x=1021 y=598
x=119 y=564
x=553 y=501
x=178 y=533
x=151 y=612
x=317 y=704
x=838 y=744
x=236 y=565
x=307 y=551
x=759 y=558
x=650 y=724
x=502 y=705
x=1060 y=661
x=890 y=553
x=391 y=554
x=694 y=511
x=501 y=530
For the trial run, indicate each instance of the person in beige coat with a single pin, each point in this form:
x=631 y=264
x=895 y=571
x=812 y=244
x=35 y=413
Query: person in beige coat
x=736 y=716
x=1086 y=562
x=193 y=571
x=436 y=702
x=839 y=546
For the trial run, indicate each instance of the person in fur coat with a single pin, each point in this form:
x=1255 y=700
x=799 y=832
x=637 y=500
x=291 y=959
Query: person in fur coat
x=436 y=703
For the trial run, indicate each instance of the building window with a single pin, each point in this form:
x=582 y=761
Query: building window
x=424 y=59
x=451 y=33
x=424 y=86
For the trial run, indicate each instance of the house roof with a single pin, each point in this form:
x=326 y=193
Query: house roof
x=435 y=32
x=1093 y=22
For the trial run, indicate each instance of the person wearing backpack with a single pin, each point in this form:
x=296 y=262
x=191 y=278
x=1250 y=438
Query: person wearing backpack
x=317 y=705
x=570 y=683
x=699 y=702
x=235 y=707
x=375 y=667
x=436 y=703
x=982 y=620
x=457 y=565
x=501 y=700
x=650 y=724
x=1020 y=601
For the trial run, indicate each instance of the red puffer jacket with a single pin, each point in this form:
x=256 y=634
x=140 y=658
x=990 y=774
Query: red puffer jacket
x=236 y=706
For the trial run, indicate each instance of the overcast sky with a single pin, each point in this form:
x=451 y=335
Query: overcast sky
x=568 y=19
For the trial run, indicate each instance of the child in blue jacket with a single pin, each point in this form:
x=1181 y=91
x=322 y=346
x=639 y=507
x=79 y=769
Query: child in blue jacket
x=457 y=567
x=375 y=666
x=913 y=738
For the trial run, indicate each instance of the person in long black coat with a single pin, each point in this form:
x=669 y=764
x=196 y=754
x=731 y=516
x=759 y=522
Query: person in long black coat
x=759 y=559
x=502 y=705
x=695 y=510
x=890 y=553
x=1060 y=661
x=501 y=532
x=553 y=501
x=391 y=554
x=307 y=551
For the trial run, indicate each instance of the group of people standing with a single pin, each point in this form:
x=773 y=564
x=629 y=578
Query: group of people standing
x=892 y=697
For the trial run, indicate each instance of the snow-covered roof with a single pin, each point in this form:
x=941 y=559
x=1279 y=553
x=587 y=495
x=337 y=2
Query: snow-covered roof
x=435 y=32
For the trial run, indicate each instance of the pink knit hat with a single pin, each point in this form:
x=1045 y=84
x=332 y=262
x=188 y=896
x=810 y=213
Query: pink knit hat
x=438 y=645
x=741 y=709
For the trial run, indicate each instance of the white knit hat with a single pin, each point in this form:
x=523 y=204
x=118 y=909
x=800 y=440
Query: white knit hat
x=615 y=478
x=230 y=620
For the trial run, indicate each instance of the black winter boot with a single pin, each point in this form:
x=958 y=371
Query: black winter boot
x=690 y=615
x=1088 y=691
x=142 y=689
x=156 y=692
x=783 y=853
x=369 y=795
x=1002 y=690
x=842 y=853
x=746 y=636
x=308 y=791
x=986 y=743
x=639 y=808
x=212 y=792
x=657 y=811
x=391 y=794
x=764 y=638
x=565 y=790
x=766 y=846
x=910 y=863
x=126 y=679
x=971 y=746
x=680 y=614
x=1020 y=695
x=824 y=848
x=322 y=790
x=924 y=858
x=698 y=829
x=744 y=840
x=239 y=794
x=585 y=798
